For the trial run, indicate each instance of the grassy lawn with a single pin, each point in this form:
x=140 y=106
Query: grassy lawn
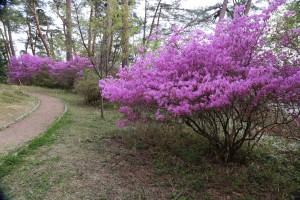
x=85 y=157
x=13 y=103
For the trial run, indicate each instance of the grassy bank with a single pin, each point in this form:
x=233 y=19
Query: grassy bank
x=13 y=103
x=85 y=157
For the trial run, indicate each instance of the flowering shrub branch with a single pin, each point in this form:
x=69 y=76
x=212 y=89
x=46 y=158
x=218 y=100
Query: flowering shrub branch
x=230 y=86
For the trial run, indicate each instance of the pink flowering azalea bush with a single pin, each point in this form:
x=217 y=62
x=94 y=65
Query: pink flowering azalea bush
x=230 y=86
x=27 y=67
x=67 y=72
x=34 y=70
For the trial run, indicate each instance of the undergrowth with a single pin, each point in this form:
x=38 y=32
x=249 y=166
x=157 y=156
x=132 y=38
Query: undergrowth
x=183 y=158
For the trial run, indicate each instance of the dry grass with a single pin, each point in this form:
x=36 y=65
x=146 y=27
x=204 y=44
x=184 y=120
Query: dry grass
x=13 y=103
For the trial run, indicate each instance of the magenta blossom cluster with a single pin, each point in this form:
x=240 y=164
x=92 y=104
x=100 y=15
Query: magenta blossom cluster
x=198 y=72
x=29 y=69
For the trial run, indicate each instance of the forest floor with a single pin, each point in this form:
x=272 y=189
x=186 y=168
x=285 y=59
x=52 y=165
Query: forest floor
x=85 y=157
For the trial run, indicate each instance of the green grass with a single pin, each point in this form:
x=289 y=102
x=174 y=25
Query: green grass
x=13 y=159
x=85 y=157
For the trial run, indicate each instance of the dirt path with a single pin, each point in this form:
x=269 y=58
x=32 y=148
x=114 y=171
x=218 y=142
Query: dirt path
x=33 y=125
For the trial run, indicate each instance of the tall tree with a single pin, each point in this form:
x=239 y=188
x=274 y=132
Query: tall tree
x=37 y=12
x=64 y=12
x=68 y=30
x=4 y=17
x=90 y=37
x=125 y=33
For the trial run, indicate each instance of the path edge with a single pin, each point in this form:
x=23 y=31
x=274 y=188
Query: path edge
x=53 y=124
x=23 y=115
x=17 y=150
x=22 y=151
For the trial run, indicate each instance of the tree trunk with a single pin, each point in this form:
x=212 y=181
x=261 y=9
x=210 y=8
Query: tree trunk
x=8 y=33
x=52 y=45
x=247 y=8
x=104 y=46
x=145 y=24
x=223 y=10
x=7 y=40
x=37 y=23
x=106 y=41
x=30 y=40
x=153 y=19
x=6 y=46
x=68 y=30
x=158 y=18
x=124 y=34
x=90 y=30
x=11 y=44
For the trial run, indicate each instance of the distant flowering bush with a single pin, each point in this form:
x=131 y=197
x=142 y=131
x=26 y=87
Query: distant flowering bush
x=67 y=72
x=34 y=70
x=229 y=86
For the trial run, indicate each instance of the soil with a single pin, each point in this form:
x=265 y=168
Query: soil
x=35 y=124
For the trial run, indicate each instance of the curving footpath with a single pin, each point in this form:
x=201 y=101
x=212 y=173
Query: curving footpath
x=33 y=125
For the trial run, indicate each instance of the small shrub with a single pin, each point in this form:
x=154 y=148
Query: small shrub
x=87 y=86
